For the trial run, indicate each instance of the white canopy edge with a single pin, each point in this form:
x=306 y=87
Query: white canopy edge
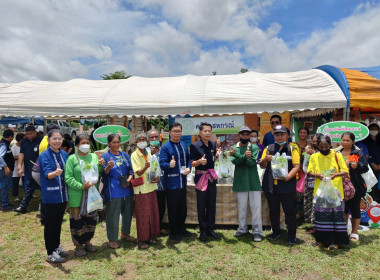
x=312 y=113
x=250 y=92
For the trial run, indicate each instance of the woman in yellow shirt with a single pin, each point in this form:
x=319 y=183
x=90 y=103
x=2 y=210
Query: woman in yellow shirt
x=146 y=207
x=330 y=226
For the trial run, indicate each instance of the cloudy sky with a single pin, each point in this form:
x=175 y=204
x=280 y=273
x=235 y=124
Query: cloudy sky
x=61 y=40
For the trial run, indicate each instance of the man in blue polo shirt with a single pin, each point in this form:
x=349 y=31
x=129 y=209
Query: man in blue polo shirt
x=28 y=155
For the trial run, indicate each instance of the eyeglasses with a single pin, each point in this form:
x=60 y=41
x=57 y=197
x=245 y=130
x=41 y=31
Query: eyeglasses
x=275 y=122
x=176 y=131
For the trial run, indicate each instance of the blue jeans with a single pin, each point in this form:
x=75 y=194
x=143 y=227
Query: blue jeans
x=6 y=185
x=30 y=186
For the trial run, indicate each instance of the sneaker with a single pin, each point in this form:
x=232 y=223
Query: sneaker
x=55 y=258
x=274 y=236
x=257 y=238
x=90 y=248
x=16 y=199
x=61 y=252
x=239 y=233
x=20 y=209
x=80 y=252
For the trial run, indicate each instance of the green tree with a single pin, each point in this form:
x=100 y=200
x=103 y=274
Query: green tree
x=115 y=75
x=243 y=70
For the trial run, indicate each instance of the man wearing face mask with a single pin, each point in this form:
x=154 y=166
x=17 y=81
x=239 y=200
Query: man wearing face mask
x=281 y=190
x=247 y=184
x=161 y=192
x=28 y=154
x=373 y=145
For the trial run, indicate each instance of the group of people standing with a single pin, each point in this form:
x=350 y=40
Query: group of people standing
x=128 y=184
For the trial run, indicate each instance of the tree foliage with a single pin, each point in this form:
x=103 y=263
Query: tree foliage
x=115 y=75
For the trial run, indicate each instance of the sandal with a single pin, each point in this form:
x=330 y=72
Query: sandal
x=354 y=237
x=127 y=237
x=143 y=245
x=152 y=241
x=317 y=244
x=113 y=244
x=311 y=231
x=332 y=247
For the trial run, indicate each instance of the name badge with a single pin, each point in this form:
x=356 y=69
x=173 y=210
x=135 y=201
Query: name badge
x=35 y=149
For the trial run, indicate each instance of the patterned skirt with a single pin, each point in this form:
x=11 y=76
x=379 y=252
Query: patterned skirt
x=82 y=228
x=330 y=225
x=308 y=206
x=147 y=218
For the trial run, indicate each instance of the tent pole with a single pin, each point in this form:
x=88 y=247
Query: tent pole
x=346 y=114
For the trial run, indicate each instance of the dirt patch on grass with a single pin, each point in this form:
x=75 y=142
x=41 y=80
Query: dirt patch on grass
x=128 y=272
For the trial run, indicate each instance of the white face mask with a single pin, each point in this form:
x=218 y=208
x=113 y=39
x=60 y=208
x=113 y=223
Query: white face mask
x=373 y=132
x=253 y=139
x=84 y=148
x=142 y=145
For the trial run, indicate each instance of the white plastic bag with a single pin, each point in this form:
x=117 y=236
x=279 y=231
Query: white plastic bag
x=327 y=196
x=305 y=164
x=279 y=165
x=89 y=172
x=369 y=179
x=154 y=170
x=261 y=172
x=94 y=200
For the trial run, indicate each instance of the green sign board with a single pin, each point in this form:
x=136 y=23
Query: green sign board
x=101 y=134
x=335 y=130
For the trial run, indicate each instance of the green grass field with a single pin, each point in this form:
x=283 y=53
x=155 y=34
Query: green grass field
x=22 y=256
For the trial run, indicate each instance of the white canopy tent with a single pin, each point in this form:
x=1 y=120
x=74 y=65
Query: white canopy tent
x=250 y=92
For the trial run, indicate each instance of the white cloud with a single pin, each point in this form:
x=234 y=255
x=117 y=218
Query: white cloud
x=351 y=42
x=61 y=40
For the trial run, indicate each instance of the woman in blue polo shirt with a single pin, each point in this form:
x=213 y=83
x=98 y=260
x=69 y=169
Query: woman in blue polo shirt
x=53 y=195
x=117 y=190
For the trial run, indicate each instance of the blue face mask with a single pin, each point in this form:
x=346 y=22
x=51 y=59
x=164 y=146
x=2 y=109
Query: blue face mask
x=283 y=143
x=222 y=138
x=155 y=143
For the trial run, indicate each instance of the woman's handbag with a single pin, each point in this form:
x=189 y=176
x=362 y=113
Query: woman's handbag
x=348 y=187
x=300 y=188
x=137 y=182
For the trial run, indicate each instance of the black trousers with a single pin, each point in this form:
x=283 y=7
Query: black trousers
x=177 y=210
x=15 y=187
x=53 y=217
x=206 y=207
x=288 y=205
x=161 y=201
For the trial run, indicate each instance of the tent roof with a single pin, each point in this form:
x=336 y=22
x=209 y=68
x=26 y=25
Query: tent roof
x=249 y=92
x=364 y=87
x=360 y=85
